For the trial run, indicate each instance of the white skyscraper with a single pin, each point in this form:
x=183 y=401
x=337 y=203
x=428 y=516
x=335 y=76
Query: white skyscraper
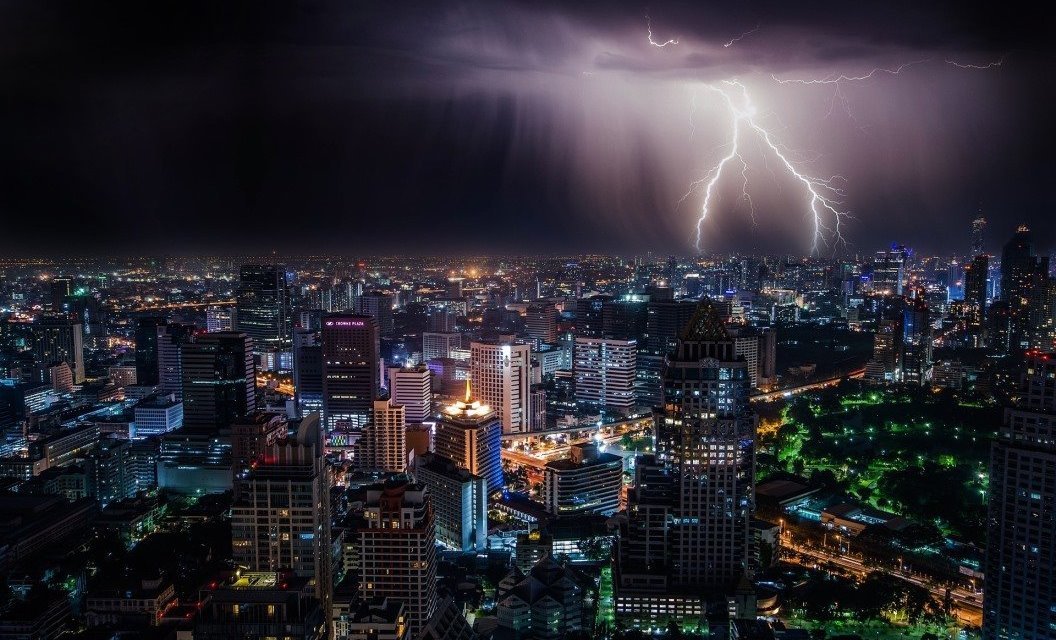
x=412 y=388
x=605 y=371
x=501 y=375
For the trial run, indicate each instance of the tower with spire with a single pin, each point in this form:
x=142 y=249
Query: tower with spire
x=469 y=433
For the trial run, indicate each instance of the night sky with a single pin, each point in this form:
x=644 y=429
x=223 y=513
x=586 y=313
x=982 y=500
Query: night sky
x=527 y=127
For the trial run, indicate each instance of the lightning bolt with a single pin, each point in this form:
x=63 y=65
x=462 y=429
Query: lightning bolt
x=649 y=31
x=837 y=82
x=744 y=35
x=990 y=65
x=825 y=196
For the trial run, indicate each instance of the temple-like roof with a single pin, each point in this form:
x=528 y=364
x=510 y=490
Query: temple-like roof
x=705 y=325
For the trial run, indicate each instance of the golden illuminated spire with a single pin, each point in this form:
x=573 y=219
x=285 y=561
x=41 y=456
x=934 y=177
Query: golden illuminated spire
x=467 y=390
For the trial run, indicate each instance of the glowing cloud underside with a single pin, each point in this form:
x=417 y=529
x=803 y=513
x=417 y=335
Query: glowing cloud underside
x=824 y=197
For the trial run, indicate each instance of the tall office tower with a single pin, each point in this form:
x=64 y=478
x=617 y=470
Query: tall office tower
x=351 y=351
x=975 y=275
x=664 y=322
x=307 y=371
x=251 y=437
x=588 y=481
x=263 y=306
x=1026 y=287
x=470 y=434
x=219 y=379
x=889 y=270
x=625 y=319
x=1021 y=542
x=916 y=342
x=978 y=231
x=382 y=444
x=398 y=550
x=171 y=338
x=147 y=349
x=540 y=323
x=605 y=372
x=460 y=502
x=219 y=319
x=702 y=479
x=439 y=345
x=442 y=318
x=59 y=338
x=767 y=357
x=412 y=388
x=589 y=314
x=61 y=288
x=886 y=362
x=282 y=518
x=377 y=305
x=501 y=375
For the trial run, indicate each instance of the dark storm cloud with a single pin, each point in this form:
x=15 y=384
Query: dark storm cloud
x=502 y=126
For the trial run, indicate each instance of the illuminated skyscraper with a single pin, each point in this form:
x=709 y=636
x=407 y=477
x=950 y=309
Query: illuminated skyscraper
x=1025 y=287
x=382 y=444
x=978 y=231
x=350 y=351
x=59 y=338
x=264 y=306
x=377 y=305
x=688 y=540
x=307 y=371
x=170 y=341
x=411 y=387
x=147 y=349
x=889 y=270
x=605 y=372
x=1021 y=541
x=470 y=434
x=397 y=550
x=540 y=323
x=282 y=518
x=219 y=379
x=501 y=375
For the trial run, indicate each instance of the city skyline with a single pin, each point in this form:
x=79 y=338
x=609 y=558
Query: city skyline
x=512 y=127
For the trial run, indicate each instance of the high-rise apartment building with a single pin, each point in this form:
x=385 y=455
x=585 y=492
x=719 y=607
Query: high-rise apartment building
x=916 y=342
x=501 y=375
x=350 y=352
x=282 y=517
x=469 y=434
x=263 y=306
x=1021 y=541
x=219 y=379
x=605 y=370
x=412 y=388
x=382 y=444
x=219 y=319
x=398 y=550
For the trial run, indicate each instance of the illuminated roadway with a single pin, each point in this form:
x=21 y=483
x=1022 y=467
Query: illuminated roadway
x=821 y=384
x=967 y=605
